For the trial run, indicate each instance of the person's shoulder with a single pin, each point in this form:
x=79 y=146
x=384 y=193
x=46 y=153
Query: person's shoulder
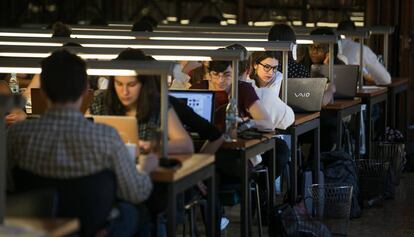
x=22 y=126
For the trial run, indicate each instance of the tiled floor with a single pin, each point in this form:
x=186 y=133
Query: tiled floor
x=394 y=219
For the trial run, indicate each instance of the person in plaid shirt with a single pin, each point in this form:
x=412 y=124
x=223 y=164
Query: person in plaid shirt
x=64 y=144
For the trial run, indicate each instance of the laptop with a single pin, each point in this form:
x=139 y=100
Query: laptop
x=305 y=94
x=40 y=105
x=126 y=126
x=345 y=79
x=201 y=101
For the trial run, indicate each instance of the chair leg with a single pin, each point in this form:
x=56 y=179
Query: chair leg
x=259 y=212
x=192 y=222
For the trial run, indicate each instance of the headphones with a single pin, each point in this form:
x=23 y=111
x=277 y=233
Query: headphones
x=294 y=52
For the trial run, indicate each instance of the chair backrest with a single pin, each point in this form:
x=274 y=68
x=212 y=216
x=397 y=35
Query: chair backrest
x=88 y=198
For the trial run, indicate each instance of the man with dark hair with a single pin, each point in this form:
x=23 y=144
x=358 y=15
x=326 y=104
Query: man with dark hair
x=63 y=144
x=374 y=71
x=61 y=30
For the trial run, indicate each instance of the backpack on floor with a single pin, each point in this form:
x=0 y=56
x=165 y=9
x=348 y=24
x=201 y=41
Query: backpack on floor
x=340 y=168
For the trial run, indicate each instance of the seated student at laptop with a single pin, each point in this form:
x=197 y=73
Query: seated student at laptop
x=374 y=71
x=140 y=96
x=319 y=54
x=16 y=114
x=64 y=144
x=249 y=105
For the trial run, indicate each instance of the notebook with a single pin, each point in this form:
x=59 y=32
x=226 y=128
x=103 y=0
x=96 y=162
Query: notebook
x=40 y=105
x=345 y=79
x=305 y=94
x=201 y=101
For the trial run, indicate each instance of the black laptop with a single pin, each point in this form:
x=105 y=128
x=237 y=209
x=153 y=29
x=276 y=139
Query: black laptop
x=305 y=94
x=201 y=101
x=345 y=79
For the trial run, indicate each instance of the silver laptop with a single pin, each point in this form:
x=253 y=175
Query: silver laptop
x=305 y=94
x=345 y=79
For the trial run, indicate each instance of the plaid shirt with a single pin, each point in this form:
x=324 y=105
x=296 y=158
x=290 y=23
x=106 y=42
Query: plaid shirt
x=63 y=144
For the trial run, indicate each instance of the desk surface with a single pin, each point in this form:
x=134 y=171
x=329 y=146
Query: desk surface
x=189 y=164
x=371 y=91
x=243 y=144
x=305 y=117
x=397 y=81
x=342 y=104
x=52 y=227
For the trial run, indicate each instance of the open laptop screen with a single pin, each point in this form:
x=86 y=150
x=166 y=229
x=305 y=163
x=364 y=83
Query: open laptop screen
x=201 y=101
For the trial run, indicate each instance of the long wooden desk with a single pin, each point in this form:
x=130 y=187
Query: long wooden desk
x=194 y=168
x=304 y=122
x=244 y=150
x=371 y=96
x=339 y=110
x=398 y=96
x=39 y=227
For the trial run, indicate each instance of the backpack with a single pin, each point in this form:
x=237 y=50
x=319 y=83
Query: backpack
x=340 y=168
x=288 y=221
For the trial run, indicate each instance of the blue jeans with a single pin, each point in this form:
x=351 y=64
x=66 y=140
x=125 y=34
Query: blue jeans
x=131 y=221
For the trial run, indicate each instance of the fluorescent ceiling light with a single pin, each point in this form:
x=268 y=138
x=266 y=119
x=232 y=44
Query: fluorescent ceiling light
x=100 y=29
x=250 y=23
x=24 y=55
x=101 y=36
x=229 y=16
x=204 y=39
x=185 y=22
x=299 y=41
x=327 y=24
x=223 y=23
x=181 y=58
x=360 y=24
x=172 y=18
x=151 y=46
x=297 y=23
x=310 y=24
x=231 y=21
x=111 y=72
x=120 y=25
x=264 y=23
x=27 y=70
x=357 y=18
x=343 y=36
x=16 y=34
x=30 y=44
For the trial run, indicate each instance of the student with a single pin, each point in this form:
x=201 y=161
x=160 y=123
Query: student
x=249 y=105
x=319 y=54
x=283 y=32
x=63 y=144
x=16 y=114
x=374 y=71
x=140 y=96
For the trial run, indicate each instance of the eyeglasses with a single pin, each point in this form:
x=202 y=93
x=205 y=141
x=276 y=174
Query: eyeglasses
x=267 y=67
x=217 y=75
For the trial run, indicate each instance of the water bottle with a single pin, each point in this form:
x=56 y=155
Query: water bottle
x=14 y=84
x=231 y=121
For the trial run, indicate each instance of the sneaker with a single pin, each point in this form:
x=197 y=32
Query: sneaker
x=224 y=223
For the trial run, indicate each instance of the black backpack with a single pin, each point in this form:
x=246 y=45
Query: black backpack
x=340 y=168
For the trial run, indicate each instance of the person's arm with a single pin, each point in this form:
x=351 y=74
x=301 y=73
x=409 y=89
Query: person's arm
x=35 y=83
x=328 y=95
x=198 y=124
x=179 y=142
x=15 y=115
x=211 y=147
x=133 y=185
x=377 y=71
x=261 y=118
